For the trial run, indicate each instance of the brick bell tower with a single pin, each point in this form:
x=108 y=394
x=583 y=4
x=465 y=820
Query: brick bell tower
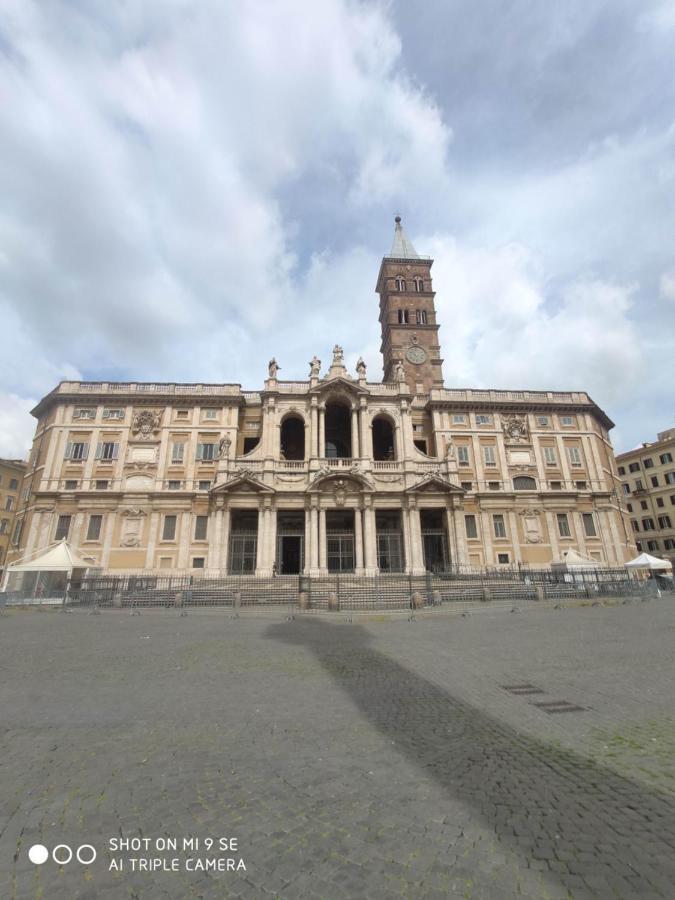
x=408 y=316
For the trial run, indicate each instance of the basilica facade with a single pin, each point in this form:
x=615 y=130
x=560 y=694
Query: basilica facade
x=336 y=473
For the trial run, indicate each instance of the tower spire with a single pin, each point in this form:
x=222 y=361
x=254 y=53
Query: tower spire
x=401 y=248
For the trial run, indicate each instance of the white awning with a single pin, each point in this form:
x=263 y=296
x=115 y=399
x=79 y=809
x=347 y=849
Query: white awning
x=645 y=561
x=60 y=557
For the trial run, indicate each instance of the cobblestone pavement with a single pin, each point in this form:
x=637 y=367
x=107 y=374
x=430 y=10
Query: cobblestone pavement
x=373 y=760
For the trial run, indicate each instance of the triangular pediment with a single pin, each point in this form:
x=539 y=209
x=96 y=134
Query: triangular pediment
x=341 y=384
x=242 y=482
x=434 y=483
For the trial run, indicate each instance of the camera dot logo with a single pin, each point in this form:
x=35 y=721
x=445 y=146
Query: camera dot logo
x=62 y=854
x=38 y=854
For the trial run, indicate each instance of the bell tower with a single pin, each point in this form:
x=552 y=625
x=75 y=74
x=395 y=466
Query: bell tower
x=408 y=317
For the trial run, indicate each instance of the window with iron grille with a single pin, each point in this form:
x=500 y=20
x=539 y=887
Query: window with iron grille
x=94 y=528
x=243 y=549
x=62 y=528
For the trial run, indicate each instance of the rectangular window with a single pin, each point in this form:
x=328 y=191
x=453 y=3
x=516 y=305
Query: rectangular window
x=206 y=452
x=563 y=525
x=672 y=499
x=629 y=507
x=635 y=525
x=670 y=477
x=4 y=525
x=660 y=502
x=18 y=528
x=107 y=451
x=575 y=456
x=647 y=524
x=589 y=525
x=13 y=484
x=421 y=317
x=555 y=485
x=113 y=413
x=567 y=421
x=403 y=317
x=201 y=524
x=210 y=413
x=580 y=485
x=669 y=544
x=169 y=529
x=664 y=522
x=654 y=480
x=463 y=455
x=489 y=453
x=503 y=559
x=62 y=528
x=626 y=488
x=94 y=528
x=26 y=494
x=76 y=450
x=648 y=463
x=622 y=471
x=101 y=484
x=198 y=562
x=70 y=484
x=466 y=485
x=9 y=503
x=494 y=485
x=177 y=452
x=498 y=525
x=483 y=420
x=182 y=413
x=639 y=486
x=84 y=414
x=458 y=419
x=549 y=456
x=652 y=545
x=665 y=458
x=470 y=524
x=634 y=467
x=542 y=420
x=204 y=485
x=644 y=504
x=173 y=485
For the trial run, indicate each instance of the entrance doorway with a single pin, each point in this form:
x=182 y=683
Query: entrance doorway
x=434 y=540
x=389 y=541
x=290 y=542
x=340 y=540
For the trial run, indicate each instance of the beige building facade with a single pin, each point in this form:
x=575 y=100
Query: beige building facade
x=648 y=486
x=335 y=473
x=12 y=473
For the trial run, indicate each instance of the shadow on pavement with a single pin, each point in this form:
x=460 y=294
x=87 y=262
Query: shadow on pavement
x=599 y=833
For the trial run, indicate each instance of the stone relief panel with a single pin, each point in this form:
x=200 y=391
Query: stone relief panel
x=132 y=527
x=515 y=428
x=532 y=525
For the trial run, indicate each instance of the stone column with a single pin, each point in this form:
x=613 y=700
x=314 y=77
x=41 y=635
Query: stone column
x=260 y=545
x=322 y=542
x=322 y=431
x=307 y=547
x=271 y=538
x=358 y=541
x=417 y=550
x=215 y=530
x=460 y=534
x=356 y=450
x=366 y=447
x=314 y=430
x=515 y=537
x=452 y=534
x=225 y=539
x=552 y=528
x=107 y=540
x=370 y=538
x=314 y=540
x=407 y=543
x=152 y=539
x=185 y=540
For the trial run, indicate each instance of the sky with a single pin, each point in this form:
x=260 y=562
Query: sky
x=190 y=188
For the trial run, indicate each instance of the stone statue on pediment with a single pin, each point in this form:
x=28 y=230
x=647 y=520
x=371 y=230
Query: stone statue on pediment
x=314 y=367
x=361 y=368
x=273 y=368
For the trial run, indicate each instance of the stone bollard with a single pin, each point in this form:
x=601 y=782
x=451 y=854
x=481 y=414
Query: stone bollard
x=417 y=600
x=540 y=592
x=303 y=600
x=117 y=601
x=436 y=598
x=486 y=594
x=178 y=599
x=333 y=602
x=236 y=601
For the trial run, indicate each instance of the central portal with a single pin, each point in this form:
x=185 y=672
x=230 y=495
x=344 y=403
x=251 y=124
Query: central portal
x=340 y=540
x=290 y=542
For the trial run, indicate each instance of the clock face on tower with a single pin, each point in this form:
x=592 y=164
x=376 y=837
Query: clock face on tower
x=416 y=355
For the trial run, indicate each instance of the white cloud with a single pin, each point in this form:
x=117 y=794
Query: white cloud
x=667 y=285
x=16 y=426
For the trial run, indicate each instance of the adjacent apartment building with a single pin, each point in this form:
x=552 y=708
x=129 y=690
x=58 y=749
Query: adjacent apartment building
x=12 y=473
x=648 y=483
x=333 y=473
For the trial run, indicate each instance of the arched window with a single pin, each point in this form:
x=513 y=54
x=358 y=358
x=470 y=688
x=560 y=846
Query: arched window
x=292 y=438
x=404 y=317
x=338 y=431
x=421 y=317
x=524 y=483
x=400 y=283
x=384 y=439
x=419 y=284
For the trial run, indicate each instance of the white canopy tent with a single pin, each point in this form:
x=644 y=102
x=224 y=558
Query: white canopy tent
x=652 y=563
x=46 y=573
x=572 y=561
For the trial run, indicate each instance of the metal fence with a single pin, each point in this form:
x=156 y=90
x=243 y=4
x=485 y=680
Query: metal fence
x=459 y=589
